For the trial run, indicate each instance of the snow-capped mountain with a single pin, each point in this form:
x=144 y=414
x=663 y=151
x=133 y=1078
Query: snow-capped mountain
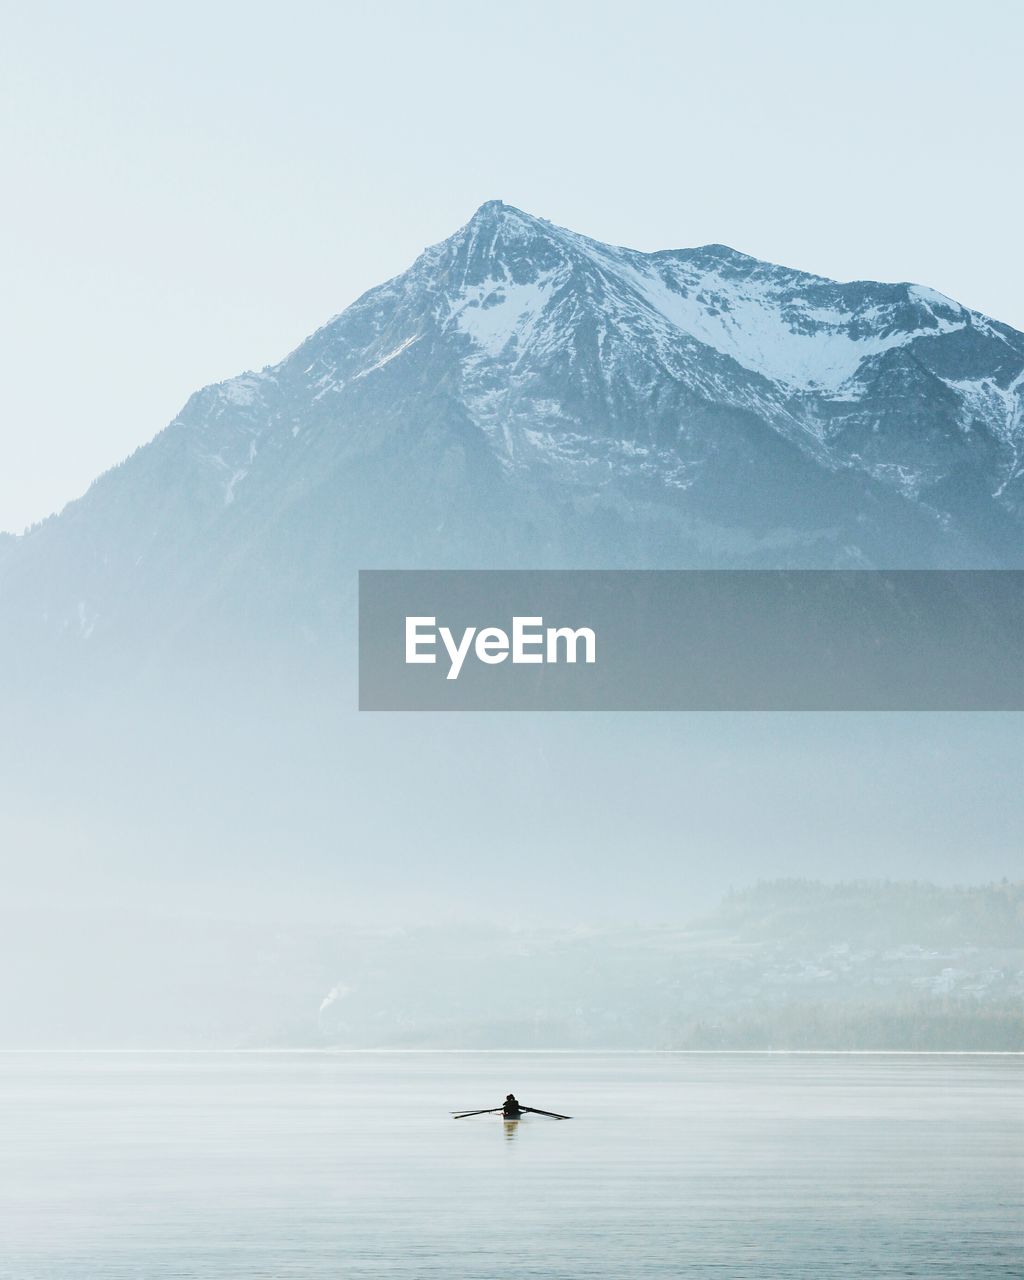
x=523 y=395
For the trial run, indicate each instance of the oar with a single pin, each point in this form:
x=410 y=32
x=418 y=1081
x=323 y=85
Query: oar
x=553 y=1114
x=461 y=1115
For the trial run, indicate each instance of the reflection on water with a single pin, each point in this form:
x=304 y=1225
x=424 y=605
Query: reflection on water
x=348 y=1167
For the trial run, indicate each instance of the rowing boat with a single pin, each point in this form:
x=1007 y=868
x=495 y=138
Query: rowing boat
x=508 y=1114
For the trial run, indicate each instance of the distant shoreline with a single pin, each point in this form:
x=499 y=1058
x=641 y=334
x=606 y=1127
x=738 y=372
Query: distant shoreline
x=579 y=1053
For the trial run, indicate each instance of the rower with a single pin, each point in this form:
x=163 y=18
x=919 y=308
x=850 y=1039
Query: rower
x=511 y=1109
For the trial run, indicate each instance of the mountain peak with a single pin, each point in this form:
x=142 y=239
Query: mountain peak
x=490 y=209
x=497 y=210
x=500 y=221
x=497 y=240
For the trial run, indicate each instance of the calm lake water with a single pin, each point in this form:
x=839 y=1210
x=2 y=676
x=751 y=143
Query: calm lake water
x=348 y=1165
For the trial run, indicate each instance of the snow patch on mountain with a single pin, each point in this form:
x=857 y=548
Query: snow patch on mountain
x=806 y=347
x=496 y=312
x=386 y=359
x=244 y=390
x=229 y=490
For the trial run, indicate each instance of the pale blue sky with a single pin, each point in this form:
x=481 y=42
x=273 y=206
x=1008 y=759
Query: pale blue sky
x=193 y=188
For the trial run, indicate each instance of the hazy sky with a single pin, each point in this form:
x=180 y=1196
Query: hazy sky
x=193 y=188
